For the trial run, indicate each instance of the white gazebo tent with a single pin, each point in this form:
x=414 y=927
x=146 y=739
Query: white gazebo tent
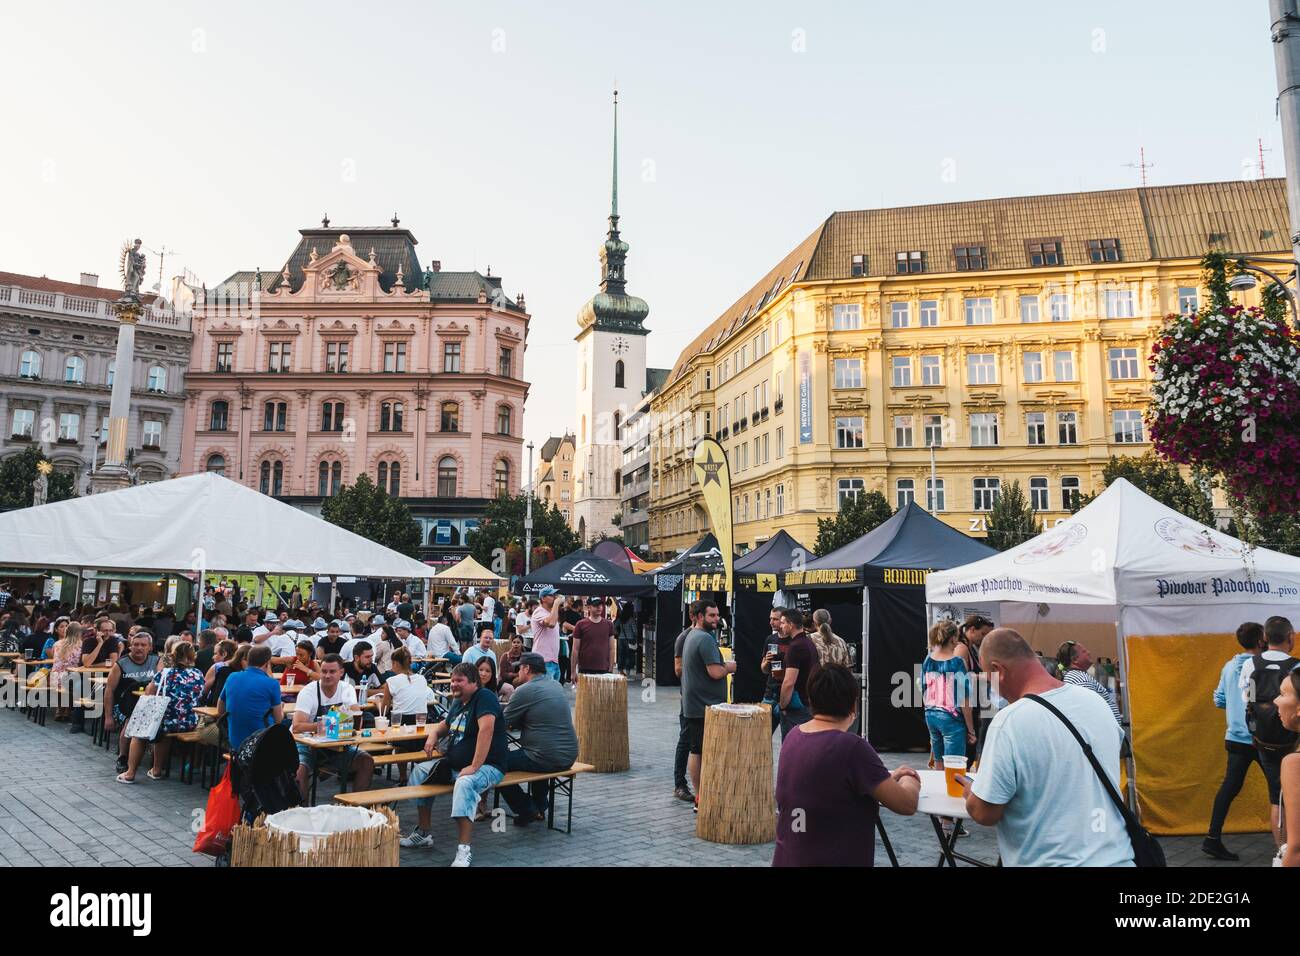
x=1167 y=594
x=468 y=573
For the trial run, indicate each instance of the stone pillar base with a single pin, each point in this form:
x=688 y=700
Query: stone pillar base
x=109 y=479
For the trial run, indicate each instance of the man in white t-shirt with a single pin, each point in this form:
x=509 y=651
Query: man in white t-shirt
x=314 y=702
x=442 y=643
x=524 y=621
x=414 y=646
x=1034 y=782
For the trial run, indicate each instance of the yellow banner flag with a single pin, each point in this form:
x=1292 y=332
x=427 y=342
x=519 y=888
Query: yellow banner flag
x=715 y=483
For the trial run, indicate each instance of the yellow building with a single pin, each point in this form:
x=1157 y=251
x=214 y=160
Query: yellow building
x=1008 y=336
x=553 y=476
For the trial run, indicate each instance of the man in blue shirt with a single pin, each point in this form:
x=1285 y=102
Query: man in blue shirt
x=251 y=698
x=1237 y=741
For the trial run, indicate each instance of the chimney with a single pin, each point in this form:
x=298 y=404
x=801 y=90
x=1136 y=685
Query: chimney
x=89 y=278
x=435 y=265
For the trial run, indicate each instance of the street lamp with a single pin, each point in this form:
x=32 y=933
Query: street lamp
x=528 y=518
x=1244 y=280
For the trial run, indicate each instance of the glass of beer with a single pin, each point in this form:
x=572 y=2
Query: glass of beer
x=289 y=678
x=953 y=766
x=421 y=718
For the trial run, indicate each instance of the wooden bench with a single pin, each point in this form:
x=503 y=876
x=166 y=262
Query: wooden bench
x=558 y=781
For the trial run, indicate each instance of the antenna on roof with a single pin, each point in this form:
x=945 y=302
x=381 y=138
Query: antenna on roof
x=1141 y=165
x=325 y=221
x=1262 y=150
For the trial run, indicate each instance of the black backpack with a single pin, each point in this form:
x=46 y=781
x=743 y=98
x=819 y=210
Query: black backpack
x=1261 y=713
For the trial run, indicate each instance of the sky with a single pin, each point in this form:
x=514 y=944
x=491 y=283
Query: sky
x=217 y=131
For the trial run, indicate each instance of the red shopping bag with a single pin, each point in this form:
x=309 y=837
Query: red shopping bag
x=219 y=819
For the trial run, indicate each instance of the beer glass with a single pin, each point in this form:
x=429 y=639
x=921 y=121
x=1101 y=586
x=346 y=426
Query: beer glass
x=953 y=766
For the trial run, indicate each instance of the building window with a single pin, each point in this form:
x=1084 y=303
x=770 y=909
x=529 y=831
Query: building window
x=780 y=442
x=849 y=489
x=1063 y=366
x=1036 y=423
x=902 y=368
x=447 y=477
x=336 y=356
x=390 y=477
x=858 y=267
x=1044 y=252
x=331 y=417
x=390 y=417
x=1123 y=363
x=1188 y=300
x=24 y=423
x=1119 y=304
x=767 y=449
x=900 y=316
x=780 y=500
x=501 y=479
x=1069 y=493
x=846 y=317
x=984 y=429
x=279 y=356
x=985 y=493
x=1127 y=425
x=451 y=357
x=157 y=379
x=933 y=425
x=906 y=492
x=225 y=357
x=1103 y=250
x=981 y=368
x=505 y=363
x=848 y=432
x=931 y=370
x=152 y=434
x=74 y=371
x=394 y=356
x=1033 y=366
x=767 y=503
x=934 y=494
x=903 y=431
x=1038 y=494
x=1067 y=428
x=979 y=311
x=216 y=464
x=329 y=478
x=503 y=420
x=450 y=414
x=1059 y=305
x=69 y=426
x=619 y=374
x=219 y=416
x=910 y=261
x=112 y=368
x=274 y=416
x=929 y=313
x=708 y=379
x=30 y=365
x=272 y=478
x=1029 y=308
x=970 y=258
x=848 y=373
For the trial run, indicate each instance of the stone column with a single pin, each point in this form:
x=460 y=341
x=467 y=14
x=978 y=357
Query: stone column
x=113 y=475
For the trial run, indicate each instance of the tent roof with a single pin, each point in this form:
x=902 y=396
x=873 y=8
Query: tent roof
x=581 y=572
x=702 y=556
x=1124 y=548
x=468 y=573
x=772 y=556
x=174 y=525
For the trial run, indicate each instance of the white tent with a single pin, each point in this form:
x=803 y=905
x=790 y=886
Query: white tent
x=1170 y=593
x=199 y=523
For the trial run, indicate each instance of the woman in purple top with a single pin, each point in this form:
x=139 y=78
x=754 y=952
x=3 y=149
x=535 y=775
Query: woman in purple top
x=830 y=783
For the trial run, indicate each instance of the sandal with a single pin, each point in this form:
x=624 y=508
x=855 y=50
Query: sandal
x=123 y=778
x=150 y=774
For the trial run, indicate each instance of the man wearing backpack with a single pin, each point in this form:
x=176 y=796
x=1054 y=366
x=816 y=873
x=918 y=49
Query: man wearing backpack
x=1261 y=682
x=1237 y=741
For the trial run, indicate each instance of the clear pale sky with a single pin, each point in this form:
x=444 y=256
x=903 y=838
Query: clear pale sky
x=219 y=130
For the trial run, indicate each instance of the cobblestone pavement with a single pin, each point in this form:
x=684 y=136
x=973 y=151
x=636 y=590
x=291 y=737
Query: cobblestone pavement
x=60 y=806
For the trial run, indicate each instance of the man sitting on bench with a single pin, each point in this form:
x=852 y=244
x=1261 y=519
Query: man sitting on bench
x=314 y=702
x=539 y=708
x=475 y=758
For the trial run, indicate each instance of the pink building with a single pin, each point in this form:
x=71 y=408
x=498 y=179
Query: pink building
x=354 y=359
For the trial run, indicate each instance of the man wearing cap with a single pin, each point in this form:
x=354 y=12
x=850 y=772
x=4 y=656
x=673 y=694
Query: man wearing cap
x=546 y=632
x=414 y=646
x=539 y=710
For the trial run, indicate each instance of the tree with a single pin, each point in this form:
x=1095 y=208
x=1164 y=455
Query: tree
x=18 y=472
x=497 y=543
x=366 y=509
x=1163 y=481
x=857 y=516
x=1012 y=520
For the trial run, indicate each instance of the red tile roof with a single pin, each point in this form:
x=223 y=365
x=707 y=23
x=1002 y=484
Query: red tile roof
x=42 y=284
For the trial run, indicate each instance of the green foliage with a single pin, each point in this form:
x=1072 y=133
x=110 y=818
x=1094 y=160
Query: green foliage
x=1013 y=520
x=17 y=473
x=856 y=517
x=1163 y=481
x=497 y=543
x=366 y=509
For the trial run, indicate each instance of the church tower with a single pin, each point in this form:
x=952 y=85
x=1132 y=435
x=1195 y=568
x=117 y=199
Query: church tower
x=611 y=379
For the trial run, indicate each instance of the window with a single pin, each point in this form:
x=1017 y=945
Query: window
x=708 y=379
x=619 y=374
x=152 y=434
x=69 y=426
x=271 y=478
x=331 y=417
x=848 y=432
x=1067 y=428
x=780 y=500
x=1069 y=493
x=1103 y=250
x=75 y=370
x=390 y=417
x=1029 y=308
x=1058 y=304
x=767 y=449
x=934 y=494
x=767 y=503
x=336 y=357
x=708 y=422
x=447 y=477
x=906 y=492
x=985 y=493
x=274 y=415
x=24 y=423
x=780 y=442
x=931 y=370
x=1033 y=366
x=225 y=357
x=503 y=420
x=1188 y=300
x=1044 y=252
x=981 y=368
x=900 y=316
x=505 y=363
x=394 y=356
x=279 y=357
x=1127 y=425
x=970 y=258
x=451 y=357
x=450 y=414
x=744 y=508
x=1119 y=304
x=903 y=431
x=902 y=367
x=112 y=369
x=929 y=313
x=848 y=373
x=1038 y=494
x=979 y=311
x=216 y=464
x=1123 y=363
x=858 y=267
x=501 y=478
x=157 y=379
x=911 y=261
x=30 y=365
x=329 y=478
x=1063 y=366
x=849 y=489
x=984 y=429
x=390 y=477
x=846 y=317
x=219 y=416
x=933 y=425
x=1036 y=423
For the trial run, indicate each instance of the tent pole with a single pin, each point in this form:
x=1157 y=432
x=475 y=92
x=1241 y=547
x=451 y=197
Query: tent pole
x=1130 y=762
x=259 y=590
x=866 y=632
x=334 y=595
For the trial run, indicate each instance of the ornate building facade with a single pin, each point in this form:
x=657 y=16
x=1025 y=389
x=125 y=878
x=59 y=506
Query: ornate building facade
x=1002 y=340
x=553 y=476
x=354 y=359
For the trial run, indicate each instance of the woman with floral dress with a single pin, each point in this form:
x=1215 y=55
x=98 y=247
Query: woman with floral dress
x=182 y=683
x=66 y=653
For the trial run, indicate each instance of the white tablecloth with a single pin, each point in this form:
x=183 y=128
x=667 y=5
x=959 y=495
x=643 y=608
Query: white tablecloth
x=934 y=798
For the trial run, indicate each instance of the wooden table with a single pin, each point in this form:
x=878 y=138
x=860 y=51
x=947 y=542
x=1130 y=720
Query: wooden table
x=935 y=802
x=398 y=734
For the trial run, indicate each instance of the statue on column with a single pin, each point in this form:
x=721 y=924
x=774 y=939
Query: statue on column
x=132 y=267
x=41 y=486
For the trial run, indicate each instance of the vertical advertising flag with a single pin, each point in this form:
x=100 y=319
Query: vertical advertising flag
x=714 y=476
x=805 y=398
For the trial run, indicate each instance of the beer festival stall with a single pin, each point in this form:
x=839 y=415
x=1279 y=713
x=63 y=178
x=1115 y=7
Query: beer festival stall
x=875 y=586
x=754 y=584
x=696 y=572
x=582 y=573
x=1129 y=577
x=468 y=573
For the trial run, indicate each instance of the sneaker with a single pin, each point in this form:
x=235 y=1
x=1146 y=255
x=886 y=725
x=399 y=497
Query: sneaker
x=1216 y=849
x=463 y=856
x=418 y=838
x=961 y=829
x=695 y=804
x=684 y=794
x=121 y=765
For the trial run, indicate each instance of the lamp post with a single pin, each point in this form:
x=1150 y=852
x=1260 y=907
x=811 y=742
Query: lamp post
x=1284 y=31
x=528 y=516
x=1244 y=281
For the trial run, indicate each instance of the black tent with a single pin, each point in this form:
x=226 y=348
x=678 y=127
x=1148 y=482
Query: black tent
x=583 y=573
x=702 y=563
x=755 y=580
x=883 y=573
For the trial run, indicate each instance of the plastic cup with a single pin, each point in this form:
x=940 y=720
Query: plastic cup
x=953 y=767
x=289 y=679
x=421 y=719
x=381 y=723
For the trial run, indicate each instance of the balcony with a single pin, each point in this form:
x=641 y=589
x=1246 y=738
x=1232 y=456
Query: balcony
x=779 y=406
x=726 y=433
x=764 y=414
x=61 y=303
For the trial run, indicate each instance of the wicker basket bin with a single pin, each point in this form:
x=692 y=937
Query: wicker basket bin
x=600 y=718
x=737 y=802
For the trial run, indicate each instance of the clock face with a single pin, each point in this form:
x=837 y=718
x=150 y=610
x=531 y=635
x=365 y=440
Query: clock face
x=620 y=345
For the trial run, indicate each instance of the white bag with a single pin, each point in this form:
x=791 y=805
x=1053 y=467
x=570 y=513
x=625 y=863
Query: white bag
x=147 y=717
